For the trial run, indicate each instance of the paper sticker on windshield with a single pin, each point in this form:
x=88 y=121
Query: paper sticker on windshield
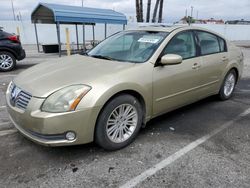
x=149 y=40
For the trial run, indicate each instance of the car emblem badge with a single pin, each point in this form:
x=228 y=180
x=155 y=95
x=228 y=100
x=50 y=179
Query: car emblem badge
x=14 y=95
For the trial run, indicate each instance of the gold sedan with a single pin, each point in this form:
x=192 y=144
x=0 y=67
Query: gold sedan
x=108 y=94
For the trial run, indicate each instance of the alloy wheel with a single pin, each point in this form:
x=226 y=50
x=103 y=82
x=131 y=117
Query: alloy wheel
x=229 y=84
x=6 y=62
x=122 y=123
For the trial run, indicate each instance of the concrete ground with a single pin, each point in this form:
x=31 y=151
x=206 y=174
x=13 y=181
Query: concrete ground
x=206 y=144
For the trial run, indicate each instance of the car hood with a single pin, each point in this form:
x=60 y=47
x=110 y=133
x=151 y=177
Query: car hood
x=43 y=79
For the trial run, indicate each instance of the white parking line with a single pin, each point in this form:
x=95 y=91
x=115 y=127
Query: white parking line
x=172 y=158
x=8 y=75
x=5 y=123
x=242 y=91
x=2 y=107
x=7 y=132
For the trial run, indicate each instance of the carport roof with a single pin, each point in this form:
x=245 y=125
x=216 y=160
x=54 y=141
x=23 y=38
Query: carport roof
x=53 y=13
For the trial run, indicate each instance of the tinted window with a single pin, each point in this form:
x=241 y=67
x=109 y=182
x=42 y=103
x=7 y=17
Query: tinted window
x=182 y=44
x=208 y=42
x=222 y=42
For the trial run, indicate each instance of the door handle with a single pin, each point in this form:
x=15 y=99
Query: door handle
x=240 y=58
x=196 y=66
x=224 y=59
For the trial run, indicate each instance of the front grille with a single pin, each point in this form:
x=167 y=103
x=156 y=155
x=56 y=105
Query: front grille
x=18 y=97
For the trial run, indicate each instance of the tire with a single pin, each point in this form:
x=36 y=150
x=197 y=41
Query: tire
x=7 y=61
x=228 y=85
x=129 y=124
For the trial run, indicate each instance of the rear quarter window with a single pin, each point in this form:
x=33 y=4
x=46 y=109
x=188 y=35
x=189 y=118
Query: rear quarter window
x=209 y=43
x=223 y=46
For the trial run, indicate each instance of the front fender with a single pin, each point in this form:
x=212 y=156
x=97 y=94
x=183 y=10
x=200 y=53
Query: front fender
x=133 y=79
x=144 y=92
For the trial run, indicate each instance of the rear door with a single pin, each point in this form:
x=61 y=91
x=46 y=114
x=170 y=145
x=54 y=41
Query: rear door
x=177 y=85
x=214 y=58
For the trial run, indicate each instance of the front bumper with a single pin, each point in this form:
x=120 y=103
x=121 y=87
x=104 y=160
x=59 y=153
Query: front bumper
x=50 y=128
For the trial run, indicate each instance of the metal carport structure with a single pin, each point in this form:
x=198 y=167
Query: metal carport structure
x=46 y=13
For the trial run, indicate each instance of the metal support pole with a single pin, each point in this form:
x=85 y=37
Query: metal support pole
x=37 y=43
x=67 y=41
x=83 y=37
x=13 y=10
x=105 y=32
x=192 y=9
x=18 y=31
x=123 y=26
x=58 y=37
x=191 y=17
x=77 y=41
x=93 y=29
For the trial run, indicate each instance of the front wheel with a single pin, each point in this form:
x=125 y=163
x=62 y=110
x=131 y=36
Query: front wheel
x=119 y=122
x=7 y=61
x=227 y=88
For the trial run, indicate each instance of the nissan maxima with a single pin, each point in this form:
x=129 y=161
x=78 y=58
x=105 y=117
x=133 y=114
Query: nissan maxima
x=109 y=93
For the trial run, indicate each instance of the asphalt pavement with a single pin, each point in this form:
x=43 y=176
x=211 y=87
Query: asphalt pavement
x=206 y=144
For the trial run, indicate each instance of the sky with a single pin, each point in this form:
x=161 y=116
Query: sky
x=173 y=11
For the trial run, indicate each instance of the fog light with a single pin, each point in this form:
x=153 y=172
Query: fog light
x=70 y=136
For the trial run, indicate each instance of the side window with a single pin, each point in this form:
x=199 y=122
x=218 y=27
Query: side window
x=182 y=44
x=208 y=42
x=223 y=47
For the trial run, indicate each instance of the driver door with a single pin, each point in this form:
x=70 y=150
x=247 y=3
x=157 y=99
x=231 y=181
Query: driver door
x=177 y=85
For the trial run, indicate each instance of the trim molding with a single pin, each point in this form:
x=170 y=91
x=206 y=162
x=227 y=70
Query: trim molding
x=186 y=91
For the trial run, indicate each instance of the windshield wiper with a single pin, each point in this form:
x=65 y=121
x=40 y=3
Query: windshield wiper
x=84 y=53
x=102 y=57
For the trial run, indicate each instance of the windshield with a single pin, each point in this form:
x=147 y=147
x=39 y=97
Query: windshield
x=129 y=46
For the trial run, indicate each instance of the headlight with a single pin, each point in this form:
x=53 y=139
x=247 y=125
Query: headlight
x=65 y=99
x=10 y=87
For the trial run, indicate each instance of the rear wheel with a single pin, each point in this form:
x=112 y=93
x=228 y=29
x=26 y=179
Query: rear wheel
x=119 y=122
x=227 y=88
x=7 y=61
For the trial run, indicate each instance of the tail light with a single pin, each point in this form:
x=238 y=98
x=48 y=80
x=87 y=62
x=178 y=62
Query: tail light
x=14 y=38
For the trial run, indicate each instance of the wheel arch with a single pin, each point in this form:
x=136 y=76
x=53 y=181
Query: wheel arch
x=236 y=71
x=135 y=94
x=131 y=92
x=236 y=68
x=8 y=50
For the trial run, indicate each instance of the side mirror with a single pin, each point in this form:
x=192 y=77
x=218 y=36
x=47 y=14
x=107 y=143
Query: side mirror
x=171 y=59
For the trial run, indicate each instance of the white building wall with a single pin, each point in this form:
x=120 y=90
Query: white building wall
x=47 y=32
x=231 y=32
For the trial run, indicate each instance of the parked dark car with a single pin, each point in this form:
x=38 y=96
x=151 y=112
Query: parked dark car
x=10 y=51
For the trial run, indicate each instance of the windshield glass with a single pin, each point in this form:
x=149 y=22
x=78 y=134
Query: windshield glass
x=129 y=46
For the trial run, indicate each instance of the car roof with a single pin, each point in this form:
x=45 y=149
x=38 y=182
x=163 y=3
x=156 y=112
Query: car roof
x=163 y=28
x=170 y=28
x=167 y=28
